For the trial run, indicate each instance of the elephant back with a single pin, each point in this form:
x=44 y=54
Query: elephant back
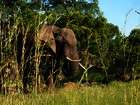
x=46 y=34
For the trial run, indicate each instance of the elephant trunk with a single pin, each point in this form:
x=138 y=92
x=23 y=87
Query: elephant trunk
x=73 y=61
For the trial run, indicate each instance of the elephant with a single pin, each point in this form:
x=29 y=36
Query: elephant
x=56 y=45
x=63 y=45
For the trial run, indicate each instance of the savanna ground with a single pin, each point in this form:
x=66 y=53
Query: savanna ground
x=116 y=93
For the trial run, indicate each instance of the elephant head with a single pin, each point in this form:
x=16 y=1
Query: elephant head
x=68 y=45
x=70 y=53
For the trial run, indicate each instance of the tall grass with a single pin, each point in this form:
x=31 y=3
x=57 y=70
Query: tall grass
x=117 y=93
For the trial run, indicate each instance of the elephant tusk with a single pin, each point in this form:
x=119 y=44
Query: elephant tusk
x=90 y=66
x=48 y=55
x=73 y=60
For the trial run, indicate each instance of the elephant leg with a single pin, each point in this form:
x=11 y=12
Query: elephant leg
x=47 y=65
x=66 y=69
x=71 y=65
x=44 y=69
x=52 y=72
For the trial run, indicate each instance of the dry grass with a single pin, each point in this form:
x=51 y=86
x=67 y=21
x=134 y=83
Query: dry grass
x=71 y=85
x=116 y=93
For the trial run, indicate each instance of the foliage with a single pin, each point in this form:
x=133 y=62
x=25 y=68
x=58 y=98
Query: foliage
x=132 y=51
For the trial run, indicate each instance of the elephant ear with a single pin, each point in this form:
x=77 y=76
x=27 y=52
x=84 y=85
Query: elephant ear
x=46 y=35
x=69 y=37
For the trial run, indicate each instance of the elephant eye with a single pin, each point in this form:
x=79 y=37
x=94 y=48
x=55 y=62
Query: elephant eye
x=56 y=34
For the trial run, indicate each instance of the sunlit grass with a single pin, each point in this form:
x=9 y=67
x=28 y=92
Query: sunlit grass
x=116 y=93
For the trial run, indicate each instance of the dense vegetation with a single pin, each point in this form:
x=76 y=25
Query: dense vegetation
x=109 y=53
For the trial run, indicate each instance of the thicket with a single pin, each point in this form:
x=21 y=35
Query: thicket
x=104 y=50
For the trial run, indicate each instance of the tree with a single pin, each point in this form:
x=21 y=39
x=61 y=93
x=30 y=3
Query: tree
x=78 y=5
x=9 y=2
x=36 y=1
x=132 y=51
